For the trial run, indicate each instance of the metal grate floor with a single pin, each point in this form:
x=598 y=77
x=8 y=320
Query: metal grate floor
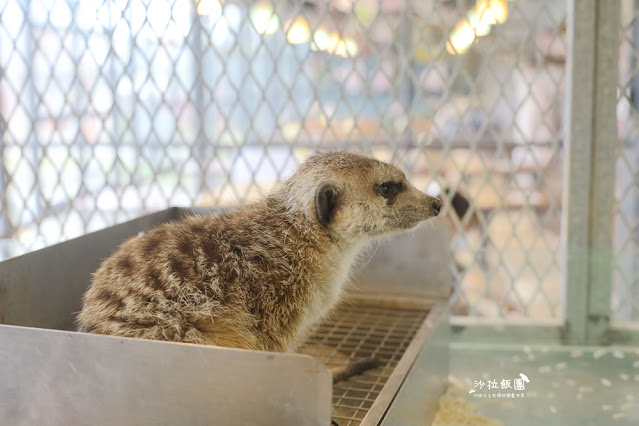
x=355 y=332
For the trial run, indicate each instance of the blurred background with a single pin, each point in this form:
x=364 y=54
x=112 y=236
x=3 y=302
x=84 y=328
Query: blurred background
x=114 y=109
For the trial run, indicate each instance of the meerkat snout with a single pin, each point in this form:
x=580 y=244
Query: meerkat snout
x=407 y=206
x=437 y=205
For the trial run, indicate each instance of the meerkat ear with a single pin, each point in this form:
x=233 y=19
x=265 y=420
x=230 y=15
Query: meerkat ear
x=325 y=202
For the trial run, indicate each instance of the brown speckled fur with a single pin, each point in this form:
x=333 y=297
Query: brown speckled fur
x=259 y=277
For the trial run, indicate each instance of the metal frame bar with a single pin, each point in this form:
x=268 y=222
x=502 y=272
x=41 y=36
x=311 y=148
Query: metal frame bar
x=580 y=73
x=501 y=331
x=604 y=161
x=5 y=226
x=589 y=169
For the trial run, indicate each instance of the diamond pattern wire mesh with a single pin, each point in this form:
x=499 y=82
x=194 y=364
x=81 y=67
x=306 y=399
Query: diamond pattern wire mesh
x=113 y=109
x=625 y=296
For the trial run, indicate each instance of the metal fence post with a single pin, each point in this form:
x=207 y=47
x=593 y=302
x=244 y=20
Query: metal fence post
x=590 y=166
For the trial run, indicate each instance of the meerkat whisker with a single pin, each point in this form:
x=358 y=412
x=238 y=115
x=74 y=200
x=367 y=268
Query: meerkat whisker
x=377 y=244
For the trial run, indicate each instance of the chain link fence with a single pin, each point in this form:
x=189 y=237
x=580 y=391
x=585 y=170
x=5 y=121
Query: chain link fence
x=625 y=296
x=113 y=109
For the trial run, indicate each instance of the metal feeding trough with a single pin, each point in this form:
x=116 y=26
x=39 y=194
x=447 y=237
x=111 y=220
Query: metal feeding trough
x=396 y=312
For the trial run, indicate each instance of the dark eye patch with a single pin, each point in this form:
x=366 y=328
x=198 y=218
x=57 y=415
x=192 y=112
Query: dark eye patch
x=389 y=190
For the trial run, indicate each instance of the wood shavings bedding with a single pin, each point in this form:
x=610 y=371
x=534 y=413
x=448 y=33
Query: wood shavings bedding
x=454 y=410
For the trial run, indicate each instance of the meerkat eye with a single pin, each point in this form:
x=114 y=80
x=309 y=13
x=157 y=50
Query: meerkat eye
x=389 y=189
x=384 y=189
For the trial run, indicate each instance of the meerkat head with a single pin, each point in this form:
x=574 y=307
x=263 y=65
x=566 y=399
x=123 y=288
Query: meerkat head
x=355 y=198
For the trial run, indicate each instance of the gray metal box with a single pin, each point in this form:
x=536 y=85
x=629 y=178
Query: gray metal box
x=54 y=375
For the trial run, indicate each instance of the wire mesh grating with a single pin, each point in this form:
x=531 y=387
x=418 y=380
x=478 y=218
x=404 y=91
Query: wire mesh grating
x=625 y=295
x=112 y=109
x=355 y=332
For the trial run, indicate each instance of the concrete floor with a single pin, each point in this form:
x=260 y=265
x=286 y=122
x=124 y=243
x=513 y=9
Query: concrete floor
x=566 y=385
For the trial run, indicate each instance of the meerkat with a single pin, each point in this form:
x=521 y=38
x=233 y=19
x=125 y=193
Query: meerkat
x=261 y=276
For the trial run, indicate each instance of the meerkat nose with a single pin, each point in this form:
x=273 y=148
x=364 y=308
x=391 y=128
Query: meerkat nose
x=437 y=205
